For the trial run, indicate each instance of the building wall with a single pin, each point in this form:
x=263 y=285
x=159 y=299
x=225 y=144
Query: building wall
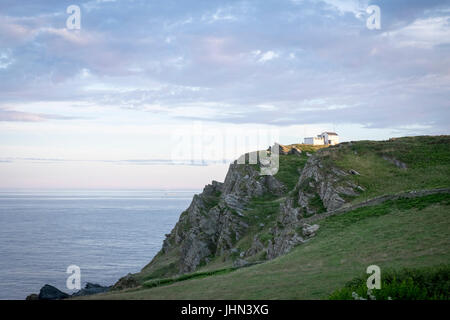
x=322 y=139
x=333 y=139
x=330 y=139
x=314 y=141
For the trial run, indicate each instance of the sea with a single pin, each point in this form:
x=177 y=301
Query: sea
x=106 y=233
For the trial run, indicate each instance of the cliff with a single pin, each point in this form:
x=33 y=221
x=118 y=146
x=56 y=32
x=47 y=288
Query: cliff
x=250 y=218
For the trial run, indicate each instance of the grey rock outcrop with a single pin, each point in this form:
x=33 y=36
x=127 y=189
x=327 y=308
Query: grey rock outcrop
x=214 y=222
x=126 y=282
x=238 y=263
x=325 y=182
x=285 y=233
x=310 y=231
x=296 y=151
x=320 y=188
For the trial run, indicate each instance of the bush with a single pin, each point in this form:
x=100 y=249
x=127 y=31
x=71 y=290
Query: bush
x=431 y=283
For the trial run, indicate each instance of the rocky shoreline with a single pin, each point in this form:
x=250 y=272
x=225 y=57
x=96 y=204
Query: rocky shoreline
x=49 y=292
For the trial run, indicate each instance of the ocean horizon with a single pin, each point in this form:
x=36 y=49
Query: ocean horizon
x=107 y=233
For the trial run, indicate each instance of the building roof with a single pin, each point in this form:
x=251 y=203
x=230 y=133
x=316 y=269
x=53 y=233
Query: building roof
x=330 y=133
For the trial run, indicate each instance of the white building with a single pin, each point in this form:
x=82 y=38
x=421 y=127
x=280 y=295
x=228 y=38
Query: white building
x=325 y=138
x=314 y=140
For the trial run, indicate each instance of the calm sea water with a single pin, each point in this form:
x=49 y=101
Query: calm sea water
x=106 y=233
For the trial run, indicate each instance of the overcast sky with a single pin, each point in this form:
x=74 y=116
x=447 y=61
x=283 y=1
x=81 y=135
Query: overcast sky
x=106 y=106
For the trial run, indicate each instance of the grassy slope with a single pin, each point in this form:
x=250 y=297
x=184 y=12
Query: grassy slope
x=402 y=233
x=427 y=160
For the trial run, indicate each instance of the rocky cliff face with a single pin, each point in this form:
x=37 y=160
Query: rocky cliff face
x=213 y=222
x=320 y=188
x=217 y=219
x=324 y=182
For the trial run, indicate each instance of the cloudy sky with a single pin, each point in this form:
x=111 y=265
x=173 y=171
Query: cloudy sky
x=122 y=102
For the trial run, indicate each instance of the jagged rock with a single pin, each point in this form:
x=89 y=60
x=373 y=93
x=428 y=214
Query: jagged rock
x=296 y=151
x=354 y=172
x=49 y=292
x=213 y=223
x=328 y=183
x=238 y=263
x=283 y=243
x=310 y=231
x=212 y=188
x=91 y=288
x=125 y=283
x=317 y=182
x=256 y=247
x=32 y=296
x=285 y=235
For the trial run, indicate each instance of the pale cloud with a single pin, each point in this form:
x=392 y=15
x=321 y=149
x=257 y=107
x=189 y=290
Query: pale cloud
x=13 y=115
x=221 y=14
x=422 y=33
x=5 y=59
x=263 y=57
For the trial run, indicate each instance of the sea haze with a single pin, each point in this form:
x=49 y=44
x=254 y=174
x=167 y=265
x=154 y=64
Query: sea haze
x=106 y=233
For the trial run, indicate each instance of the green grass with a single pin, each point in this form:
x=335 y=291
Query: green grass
x=427 y=160
x=261 y=210
x=317 y=204
x=432 y=283
x=196 y=275
x=289 y=171
x=336 y=223
x=406 y=233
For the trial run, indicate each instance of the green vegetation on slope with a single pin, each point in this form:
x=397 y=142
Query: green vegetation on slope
x=404 y=233
x=432 y=283
x=426 y=162
x=290 y=169
x=290 y=165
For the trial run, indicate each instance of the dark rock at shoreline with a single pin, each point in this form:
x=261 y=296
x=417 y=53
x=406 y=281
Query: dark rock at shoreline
x=49 y=292
x=91 y=288
x=32 y=296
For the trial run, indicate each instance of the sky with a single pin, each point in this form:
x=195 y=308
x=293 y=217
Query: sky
x=164 y=94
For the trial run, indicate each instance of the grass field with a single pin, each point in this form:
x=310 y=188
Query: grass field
x=426 y=159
